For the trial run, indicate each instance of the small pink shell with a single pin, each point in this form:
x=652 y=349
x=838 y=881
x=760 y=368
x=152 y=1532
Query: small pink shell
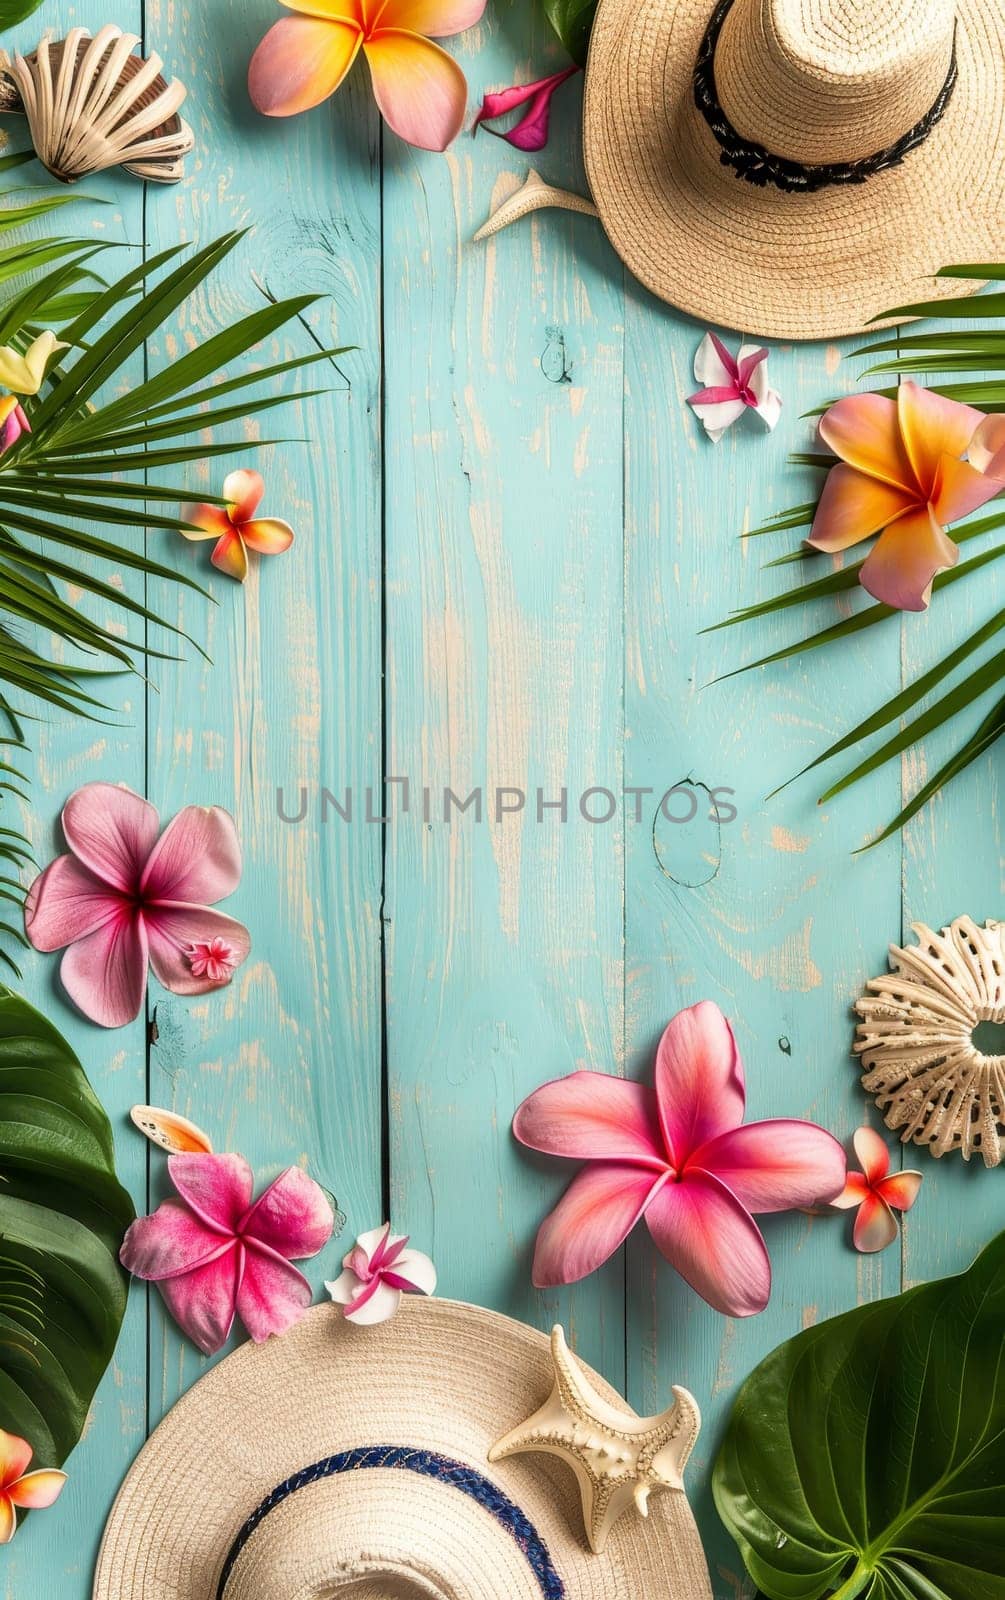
x=169 y=1132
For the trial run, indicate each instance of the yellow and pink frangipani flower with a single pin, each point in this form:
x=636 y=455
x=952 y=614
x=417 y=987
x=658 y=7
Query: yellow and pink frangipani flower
x=420 y=90
x=876 y=1192
x=235 y=527
x=679 y=1155
x=901 y=474
x=32 y=1491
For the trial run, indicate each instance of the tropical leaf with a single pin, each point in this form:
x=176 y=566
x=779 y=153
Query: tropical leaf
x=66 y=502
x=14 y=11
x=572 y=20
x=979 y=349
x=63 y=1214
x=866 y=1456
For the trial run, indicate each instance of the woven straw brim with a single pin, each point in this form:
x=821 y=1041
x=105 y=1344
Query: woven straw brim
x=782 y=265
x=440 y=1376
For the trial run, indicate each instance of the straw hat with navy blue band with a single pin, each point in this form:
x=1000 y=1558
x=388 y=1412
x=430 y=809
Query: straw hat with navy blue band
x=794 y=168
x=349 y=1462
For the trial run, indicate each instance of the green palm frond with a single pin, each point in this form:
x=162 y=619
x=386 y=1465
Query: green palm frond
x=67 y=507
x=978 y=349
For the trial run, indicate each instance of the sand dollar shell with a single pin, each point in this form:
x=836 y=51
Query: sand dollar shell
x=92 y=103
x=929 y=1077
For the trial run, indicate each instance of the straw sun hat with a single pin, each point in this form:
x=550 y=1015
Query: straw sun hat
x=353 y=1463
x=795 y=167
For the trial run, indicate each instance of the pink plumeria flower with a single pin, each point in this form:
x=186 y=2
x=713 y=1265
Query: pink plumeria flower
x=379 y=1269
x=531 y=132
x=13 y=422
x=235 y=527
x=678 y=1156
x=216 y=1255
x=33 y=1491
x=420 y=90
x=731 y=386
x=906 y=469
x=124 y=899
x=876 y=1192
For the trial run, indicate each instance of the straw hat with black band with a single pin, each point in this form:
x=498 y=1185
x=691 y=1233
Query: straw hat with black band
x=350 y=1462
x=794 y=168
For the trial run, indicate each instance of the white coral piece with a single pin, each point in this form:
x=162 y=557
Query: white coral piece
x=916 y=1043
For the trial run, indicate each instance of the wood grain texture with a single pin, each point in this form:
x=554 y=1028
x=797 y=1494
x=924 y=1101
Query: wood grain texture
x=510 y=532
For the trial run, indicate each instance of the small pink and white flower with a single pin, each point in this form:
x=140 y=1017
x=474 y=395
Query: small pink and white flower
x=215 y=959
x=731 y=385
x=379 y=1269
x=876 y=1192
x=32 y=1491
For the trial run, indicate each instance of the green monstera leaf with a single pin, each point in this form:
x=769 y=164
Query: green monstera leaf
x=62 y=1217
x=572 y=20
x=866 y=1457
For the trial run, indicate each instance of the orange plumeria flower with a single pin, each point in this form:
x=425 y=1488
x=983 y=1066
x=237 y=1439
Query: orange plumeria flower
x=419 y=89
x=876 y=1192
x=19 y=1487
x=901 y=475
x=235 y=527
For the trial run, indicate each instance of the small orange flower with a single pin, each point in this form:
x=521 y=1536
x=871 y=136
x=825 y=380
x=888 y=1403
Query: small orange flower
x=901 y=475
x=19 y=1487
x=876 y=1193
x=235 y=527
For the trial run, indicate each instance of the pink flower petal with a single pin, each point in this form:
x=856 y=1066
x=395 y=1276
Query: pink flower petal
x=211 y=521
x=960 y=489
x=437 y=19
x=900 y=1189
x=714 y=364
x=112 y=830
x=420 y=90
x=875 y=1225
x=853 y=506
x=904 y=560
x=699 y=1080
x=864 y=430
x=66 y=902
x=243 y=491
x=267 y=536
x=15 y=1458
x=775 y=1166
x=531 y=132
x=8 y=1519
x=105 y=973
x=931 y=427
x=173 y=929
x=592 y=1116
x=713 y=1243
x=39 y=1489
x=273 y=1296
x=293 y=1216
x=873 y=1155
x=217 y=1187
x=414 y=1272
x=230 y=556
x=986 y=450
x=171 y=1242
x=299 y=63
x=854 y=1192
x=203 y=1302
x=595 y=1215
x=376 y=1303
x=197 y=858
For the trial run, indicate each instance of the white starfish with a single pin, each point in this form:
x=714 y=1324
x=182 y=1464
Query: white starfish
x=620 y=1459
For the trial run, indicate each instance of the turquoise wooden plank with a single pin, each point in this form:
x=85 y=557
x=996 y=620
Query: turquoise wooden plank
x=285 y=1065
x=763 y=914
x=504 y=605
x=54 y=1553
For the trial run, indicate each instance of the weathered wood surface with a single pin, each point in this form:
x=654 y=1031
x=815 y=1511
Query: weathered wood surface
x=510 y=534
